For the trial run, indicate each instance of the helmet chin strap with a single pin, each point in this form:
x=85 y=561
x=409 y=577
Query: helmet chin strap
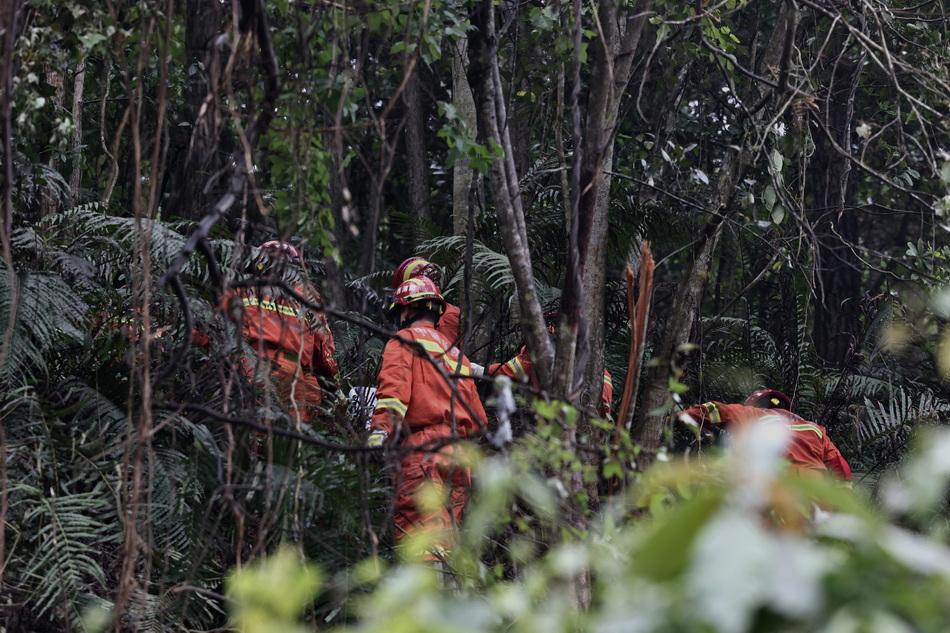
x=399 y=322
x=410 y=320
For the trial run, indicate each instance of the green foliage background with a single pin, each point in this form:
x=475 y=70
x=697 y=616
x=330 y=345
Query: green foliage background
x=130 y=498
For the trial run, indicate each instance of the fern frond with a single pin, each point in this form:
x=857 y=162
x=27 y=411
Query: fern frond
x=45 y=311
x=64 y=538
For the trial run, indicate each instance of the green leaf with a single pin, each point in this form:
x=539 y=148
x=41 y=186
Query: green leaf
x=778 y=214
x=776 y=161
x=666 y=550
x=768 y=197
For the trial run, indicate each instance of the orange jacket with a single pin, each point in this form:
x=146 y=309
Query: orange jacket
x=521 y=368
x=275 y=324
x=410 y=391
x=450 y=324
x=809 y=451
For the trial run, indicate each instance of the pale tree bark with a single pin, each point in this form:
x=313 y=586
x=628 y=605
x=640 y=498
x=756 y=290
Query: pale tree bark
x=583 y=300
x=466 y=197
x=484 y=78
x=79 y=89
x=462 y=174
x=612 y=63
x=50 y=196
x=614 y=53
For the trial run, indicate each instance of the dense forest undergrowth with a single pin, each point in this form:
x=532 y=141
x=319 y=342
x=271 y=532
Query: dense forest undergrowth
x=701 y=200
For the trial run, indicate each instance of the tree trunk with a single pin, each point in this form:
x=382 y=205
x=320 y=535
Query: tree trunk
x=346 y=224
x=415 y=134
x=194 y=150
x=837 y=315
x=611 y=71
x=467 y=196
x=463 y=178
x=50 y=197
x=79 y=89
x=669 y=355
x=387 y=155
x=612 y=66
x=484 y=78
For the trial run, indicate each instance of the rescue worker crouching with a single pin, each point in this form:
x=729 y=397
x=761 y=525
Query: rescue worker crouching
x=293 y=343
x=809 y=451
x=426 y=404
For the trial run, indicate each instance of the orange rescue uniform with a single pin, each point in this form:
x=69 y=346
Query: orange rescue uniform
x=295 y=340
x=449 y=324
x=416 y=404
x=809 y=452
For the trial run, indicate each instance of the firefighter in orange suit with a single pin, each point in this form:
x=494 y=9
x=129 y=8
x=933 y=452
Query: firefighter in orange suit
x=810 y=451
x=294 y=345
x=521 y=369
x=426 y=402
x=449 y=324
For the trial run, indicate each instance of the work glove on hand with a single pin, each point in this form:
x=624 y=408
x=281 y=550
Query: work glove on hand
x=478 y=370
x=376 y=439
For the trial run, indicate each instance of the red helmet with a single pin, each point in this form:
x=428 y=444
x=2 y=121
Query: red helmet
x=769 y=399
x=414 y=267
x=419 y=292
x=282 y=249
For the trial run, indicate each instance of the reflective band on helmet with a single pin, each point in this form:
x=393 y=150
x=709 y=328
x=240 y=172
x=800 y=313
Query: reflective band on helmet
x=419 y=296
x=411 y=268
x=395 y=404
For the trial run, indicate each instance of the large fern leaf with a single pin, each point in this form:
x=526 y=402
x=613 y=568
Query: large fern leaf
x=63 y=538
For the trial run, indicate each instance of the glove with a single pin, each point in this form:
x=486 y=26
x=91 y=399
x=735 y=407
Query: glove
x=477 y=370
x=376 y=439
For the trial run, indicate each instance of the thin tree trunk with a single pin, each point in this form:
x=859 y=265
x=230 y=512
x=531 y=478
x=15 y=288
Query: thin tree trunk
x=671 y=352
x=467 y=196
x=50 y=196
x=9 y=16
x=197 y=151
x=838 y=270
x=462 y=176
x=415 y=134
x=611 y=71
x=79 y=89
x=345 y=223
x=484 y=78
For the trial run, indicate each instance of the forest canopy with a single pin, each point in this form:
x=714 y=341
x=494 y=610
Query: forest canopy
x=680 y=202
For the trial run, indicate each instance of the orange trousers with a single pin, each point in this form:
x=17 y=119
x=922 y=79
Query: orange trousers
x=439 y=472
